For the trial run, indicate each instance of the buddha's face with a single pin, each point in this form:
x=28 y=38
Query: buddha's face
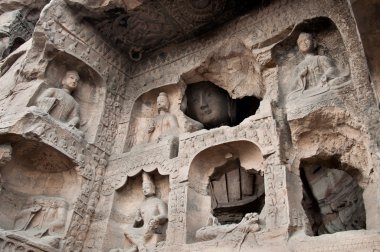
x=71 y=80
x=305 y=43
x=162 y=103
x=208 y=104
x=148 y=189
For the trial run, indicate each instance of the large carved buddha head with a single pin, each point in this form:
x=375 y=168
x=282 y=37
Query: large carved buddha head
x=209 y=104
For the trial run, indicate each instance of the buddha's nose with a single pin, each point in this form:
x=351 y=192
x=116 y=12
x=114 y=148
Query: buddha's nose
x=203 y=102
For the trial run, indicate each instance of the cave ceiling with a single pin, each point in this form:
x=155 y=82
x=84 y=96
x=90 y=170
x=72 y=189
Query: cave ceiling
x=138 y=28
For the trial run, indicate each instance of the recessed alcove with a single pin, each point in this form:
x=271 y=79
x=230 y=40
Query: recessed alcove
x=128 y=201
x=332 y=198
x=212 y=106
x=225 y=182
x=147 y=126
x=329 y=46
x=39 y=187
x=90 y=93
x=235 y=192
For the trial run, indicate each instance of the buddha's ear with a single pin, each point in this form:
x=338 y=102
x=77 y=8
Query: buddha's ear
x=315 y=44
x=232 y=110
x=183 y=105
x=63 y=81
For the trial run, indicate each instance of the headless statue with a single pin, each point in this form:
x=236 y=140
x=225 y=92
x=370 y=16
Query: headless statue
x=150 y=219
x=59 y=103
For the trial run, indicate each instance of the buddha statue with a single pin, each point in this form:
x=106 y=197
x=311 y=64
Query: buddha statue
x=165 y=123
x=59 y=103
x=316 y=73
x=151 y=217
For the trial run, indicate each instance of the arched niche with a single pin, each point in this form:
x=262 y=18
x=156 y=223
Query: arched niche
x=213 y=106
x=126 y=203
x=332 y=154
x=240 y=164
x=90 y=93
x=329 y=43
x=39 y=186
x=145 y=114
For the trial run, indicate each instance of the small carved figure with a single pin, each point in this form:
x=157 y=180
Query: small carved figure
x=152 y=215
x=316 y=73
x=209 y=105
x=165 y=123
x=59 y=103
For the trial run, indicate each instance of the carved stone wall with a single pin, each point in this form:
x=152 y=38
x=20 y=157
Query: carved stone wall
x=98 y=150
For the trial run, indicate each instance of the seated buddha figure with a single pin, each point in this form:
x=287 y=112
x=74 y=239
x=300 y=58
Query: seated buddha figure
x=150 y=219
x=315 y=74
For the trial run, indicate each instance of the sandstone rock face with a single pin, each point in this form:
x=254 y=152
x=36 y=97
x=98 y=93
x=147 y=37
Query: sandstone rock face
x=189 y=125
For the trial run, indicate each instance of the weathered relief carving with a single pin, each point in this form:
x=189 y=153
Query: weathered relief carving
x=250 y=223
x=150 y=218
x=315 y=74
x=44 y=218
x=58 y=102
x=164 y=124
x=38 y=188
x=149 y=224
x=155 y=119
x=332 y=199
